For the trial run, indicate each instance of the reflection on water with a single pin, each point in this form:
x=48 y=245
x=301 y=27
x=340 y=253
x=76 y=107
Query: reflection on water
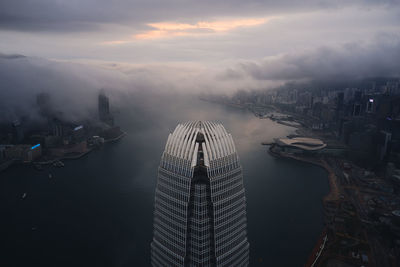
x=97 y=211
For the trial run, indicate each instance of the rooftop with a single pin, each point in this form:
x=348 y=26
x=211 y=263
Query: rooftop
x=304 y=143
x=208 y=137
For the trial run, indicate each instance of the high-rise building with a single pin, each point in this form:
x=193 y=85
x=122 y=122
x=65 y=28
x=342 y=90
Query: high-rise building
x=56 y=127
x=43 y=101
x=104 y=109
x=18 y=131
x=104 y=106
x=200 y=204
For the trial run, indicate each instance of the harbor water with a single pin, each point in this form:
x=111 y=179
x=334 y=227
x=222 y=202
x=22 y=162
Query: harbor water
x=98 y=210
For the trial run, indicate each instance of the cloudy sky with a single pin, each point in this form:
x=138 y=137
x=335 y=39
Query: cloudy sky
x=151 y=31
x=200 y=45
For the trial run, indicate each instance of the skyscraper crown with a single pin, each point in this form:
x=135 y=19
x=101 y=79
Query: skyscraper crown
x=210 y=137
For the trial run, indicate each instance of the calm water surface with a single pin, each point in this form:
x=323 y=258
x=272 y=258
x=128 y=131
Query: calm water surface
x=97 y=211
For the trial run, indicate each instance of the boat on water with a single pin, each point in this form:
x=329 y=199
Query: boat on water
x=23 y=195
x=58 y=163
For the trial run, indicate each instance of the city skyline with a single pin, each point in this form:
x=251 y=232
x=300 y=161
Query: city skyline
x=188 y=48
x=309 y=91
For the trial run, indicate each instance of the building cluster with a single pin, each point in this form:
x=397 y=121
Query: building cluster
x=366 y=118
x=24 y=153
x=355 y=134
x=52 y=136
x=363 y=224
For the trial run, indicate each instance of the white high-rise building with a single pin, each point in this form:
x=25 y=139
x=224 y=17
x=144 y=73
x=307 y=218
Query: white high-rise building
x=200 y=203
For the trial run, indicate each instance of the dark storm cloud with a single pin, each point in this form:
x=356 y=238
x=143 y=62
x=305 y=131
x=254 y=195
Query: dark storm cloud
x=350 y=61
x=74 y=15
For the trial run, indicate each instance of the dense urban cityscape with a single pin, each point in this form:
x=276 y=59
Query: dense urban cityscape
x=50 y=139
x=353 y=133
x=200 y=133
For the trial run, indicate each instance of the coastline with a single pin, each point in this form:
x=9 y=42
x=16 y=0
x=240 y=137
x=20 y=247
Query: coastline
x=332 y=196
x=74 y=157
x=4 y=166
x=333 y=193
x=116 y=138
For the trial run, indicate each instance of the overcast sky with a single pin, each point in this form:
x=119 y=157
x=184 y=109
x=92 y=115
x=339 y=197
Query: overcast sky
x=73 y=46
x=207 y=31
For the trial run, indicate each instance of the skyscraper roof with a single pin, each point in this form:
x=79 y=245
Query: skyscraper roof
x=182 y=142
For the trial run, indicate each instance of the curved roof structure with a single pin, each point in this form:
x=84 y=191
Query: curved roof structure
x=304 y=143
x=182 y=142
x=200 y=203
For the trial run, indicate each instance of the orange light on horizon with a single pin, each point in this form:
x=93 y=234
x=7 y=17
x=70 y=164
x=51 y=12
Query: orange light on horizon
x=156 y=34
x=115 y=42
x=172 y=29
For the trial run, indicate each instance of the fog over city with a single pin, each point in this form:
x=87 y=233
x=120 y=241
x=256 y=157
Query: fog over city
x=291 y=146
x=79 y=80
x=207 y=46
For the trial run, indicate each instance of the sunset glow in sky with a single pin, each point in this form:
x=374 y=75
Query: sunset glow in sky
x=171 y=29
x=139 y=31
x=209 y=44
x=174 y=29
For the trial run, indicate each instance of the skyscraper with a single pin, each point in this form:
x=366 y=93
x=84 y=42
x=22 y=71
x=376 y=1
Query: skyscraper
x=200 y=204
x=43 y=101
x=104 y=109
x=18 y=131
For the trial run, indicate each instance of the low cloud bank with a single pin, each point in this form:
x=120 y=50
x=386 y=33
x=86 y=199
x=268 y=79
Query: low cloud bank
x=348 y=62
x=73 y=87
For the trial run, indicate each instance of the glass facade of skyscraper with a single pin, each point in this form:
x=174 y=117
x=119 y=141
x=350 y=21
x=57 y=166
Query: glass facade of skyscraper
x=200 y=203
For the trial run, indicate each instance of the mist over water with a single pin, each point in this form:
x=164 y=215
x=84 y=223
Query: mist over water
x=151 y=58
x=98 y=210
